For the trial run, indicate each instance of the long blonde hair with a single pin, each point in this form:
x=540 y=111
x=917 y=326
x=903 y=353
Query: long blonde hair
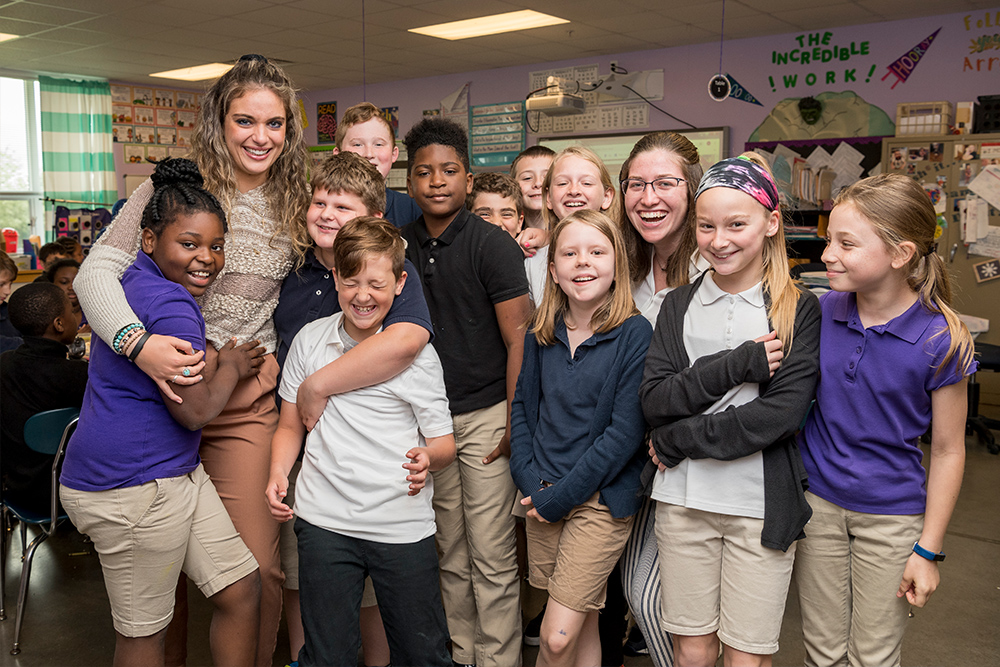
x=619 y=305
x=638 y=249
x=780 y=289
x=590 y=156
x=900 y=211
x=285 y=190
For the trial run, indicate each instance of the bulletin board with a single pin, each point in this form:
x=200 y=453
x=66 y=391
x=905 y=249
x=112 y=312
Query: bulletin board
x=712 y=144
x=152 y=123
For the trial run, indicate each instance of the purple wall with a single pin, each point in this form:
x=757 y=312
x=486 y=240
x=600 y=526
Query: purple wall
x=949 y=70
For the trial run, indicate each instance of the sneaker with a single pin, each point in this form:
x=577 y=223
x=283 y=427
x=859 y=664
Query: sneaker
x=533 y=629
x=635 y=645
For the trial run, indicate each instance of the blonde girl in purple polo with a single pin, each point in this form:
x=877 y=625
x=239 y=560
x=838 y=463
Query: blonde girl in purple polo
x=894 y=361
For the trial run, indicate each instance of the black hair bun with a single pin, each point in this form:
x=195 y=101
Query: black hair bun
x=177 y=171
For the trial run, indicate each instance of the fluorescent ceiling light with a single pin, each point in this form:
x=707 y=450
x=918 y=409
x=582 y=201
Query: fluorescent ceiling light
x=198 y=73
x=4 y=36
x=489 y=25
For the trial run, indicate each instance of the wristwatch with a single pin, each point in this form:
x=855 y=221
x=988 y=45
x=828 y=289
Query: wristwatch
x=924 y=553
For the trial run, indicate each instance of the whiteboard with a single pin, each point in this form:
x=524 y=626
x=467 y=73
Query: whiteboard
x=712 y=144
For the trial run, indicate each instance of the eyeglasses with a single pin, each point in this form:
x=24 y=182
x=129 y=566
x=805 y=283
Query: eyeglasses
x=663 y=185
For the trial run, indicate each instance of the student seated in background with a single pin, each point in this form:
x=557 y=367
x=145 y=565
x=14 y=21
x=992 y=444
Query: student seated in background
x=34 y=378
x=477 y=293
x=10 y=337
x=50 y=253
x=71 y=247
x=363 y=498
x=62 y=273
x=363 y=130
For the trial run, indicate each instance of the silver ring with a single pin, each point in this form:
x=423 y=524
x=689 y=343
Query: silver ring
x=186 y=372
x=173 y=379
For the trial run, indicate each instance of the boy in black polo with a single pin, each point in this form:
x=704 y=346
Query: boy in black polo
x=473 y=278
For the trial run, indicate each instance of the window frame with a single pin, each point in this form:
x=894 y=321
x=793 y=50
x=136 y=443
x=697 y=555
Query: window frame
x=35 y=194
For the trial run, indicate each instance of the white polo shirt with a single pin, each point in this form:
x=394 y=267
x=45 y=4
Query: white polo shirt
x=716 y=320
x=352 y=480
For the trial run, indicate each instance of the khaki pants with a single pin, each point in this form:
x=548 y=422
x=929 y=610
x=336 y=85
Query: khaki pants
x=475 y=542
x=848 y=571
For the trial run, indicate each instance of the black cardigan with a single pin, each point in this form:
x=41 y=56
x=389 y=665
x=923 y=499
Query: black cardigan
x=674 y=394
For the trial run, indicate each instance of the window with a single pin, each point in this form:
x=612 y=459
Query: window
x=21 y=187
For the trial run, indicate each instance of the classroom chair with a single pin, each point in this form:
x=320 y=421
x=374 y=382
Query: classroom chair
x=989 y=360
x=47 y=433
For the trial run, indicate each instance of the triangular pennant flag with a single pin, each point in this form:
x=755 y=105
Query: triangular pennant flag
x=741 y=93
x=903 y=66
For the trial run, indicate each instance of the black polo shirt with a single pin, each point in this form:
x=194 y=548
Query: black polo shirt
x=471 y=267
x=34 y=378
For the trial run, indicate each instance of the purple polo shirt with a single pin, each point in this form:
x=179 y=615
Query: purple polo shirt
x=873 y=402
x=126 y=436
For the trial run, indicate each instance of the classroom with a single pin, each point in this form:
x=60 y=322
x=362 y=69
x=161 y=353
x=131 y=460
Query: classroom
x=121 y=122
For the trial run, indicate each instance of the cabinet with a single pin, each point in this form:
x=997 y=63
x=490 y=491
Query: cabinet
x=936 y=160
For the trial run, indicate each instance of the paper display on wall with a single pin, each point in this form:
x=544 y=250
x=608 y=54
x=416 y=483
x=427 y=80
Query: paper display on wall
x=987 y=185
x=599 y=116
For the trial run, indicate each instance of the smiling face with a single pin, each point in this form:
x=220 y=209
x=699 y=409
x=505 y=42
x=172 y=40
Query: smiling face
x=576 y=183
x=659 y=217
x=530 y=175
x=255 y=135
x=856 y=258
x=584 y=267
x=498 y=210
x=328 y=212
x=372 y=141
x=439 y=183
x=190 y=251
x=367 y=296
x=732 y=228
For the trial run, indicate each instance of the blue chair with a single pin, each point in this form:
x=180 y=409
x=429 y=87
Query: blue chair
x=47 y=433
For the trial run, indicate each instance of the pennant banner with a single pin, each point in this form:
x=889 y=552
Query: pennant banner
x=740 y=93
x=902 y=67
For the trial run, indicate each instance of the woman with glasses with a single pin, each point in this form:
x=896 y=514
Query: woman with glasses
x=658 y=182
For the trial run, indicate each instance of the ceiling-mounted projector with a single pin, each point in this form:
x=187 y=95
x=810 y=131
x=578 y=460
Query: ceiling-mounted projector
x=560 y=104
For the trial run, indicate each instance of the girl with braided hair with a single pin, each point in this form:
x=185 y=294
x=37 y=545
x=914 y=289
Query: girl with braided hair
x=132 y=478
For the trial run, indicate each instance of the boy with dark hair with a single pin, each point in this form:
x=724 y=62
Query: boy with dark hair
x=34 y=378
x=359 y=513
x=10 y=337
x=474 y=281
x=51 y=253
x=497 y=199
x=71 y=247
x=365 y=131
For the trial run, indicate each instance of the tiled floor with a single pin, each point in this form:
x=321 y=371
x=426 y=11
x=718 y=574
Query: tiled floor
x=68 y=622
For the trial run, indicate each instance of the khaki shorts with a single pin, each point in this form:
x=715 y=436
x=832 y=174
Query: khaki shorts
x=717 y=577
x=573 y=558
x=147 y=535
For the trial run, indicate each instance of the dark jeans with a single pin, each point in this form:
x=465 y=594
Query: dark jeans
x=332 y=570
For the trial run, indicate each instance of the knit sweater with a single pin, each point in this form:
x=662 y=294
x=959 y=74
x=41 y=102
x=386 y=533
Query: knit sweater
x=239 y=303
x=675 y=392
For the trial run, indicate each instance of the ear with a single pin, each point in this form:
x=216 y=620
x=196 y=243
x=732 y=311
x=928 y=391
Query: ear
x=336 y=279
x=148 y=241
x=520 y=223
x=468 y=183
x=59 y=324
x=552 y=272
x=773 y=223
x=335 y=151
x=400 y=283
x=609 y=196
x=903 y=253
x=395 y=152
x=377 y=214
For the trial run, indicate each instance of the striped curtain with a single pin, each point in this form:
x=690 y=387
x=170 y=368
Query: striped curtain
x=76 y=141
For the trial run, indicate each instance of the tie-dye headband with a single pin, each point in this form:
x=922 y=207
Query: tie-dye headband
x=741 y=174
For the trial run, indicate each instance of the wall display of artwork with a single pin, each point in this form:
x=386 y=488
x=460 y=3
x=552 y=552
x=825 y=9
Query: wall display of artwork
x=153 y=116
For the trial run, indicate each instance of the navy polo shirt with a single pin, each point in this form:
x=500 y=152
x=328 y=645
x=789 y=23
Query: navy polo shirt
x=309 y=294
x=400 y=209
x=465 y=272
